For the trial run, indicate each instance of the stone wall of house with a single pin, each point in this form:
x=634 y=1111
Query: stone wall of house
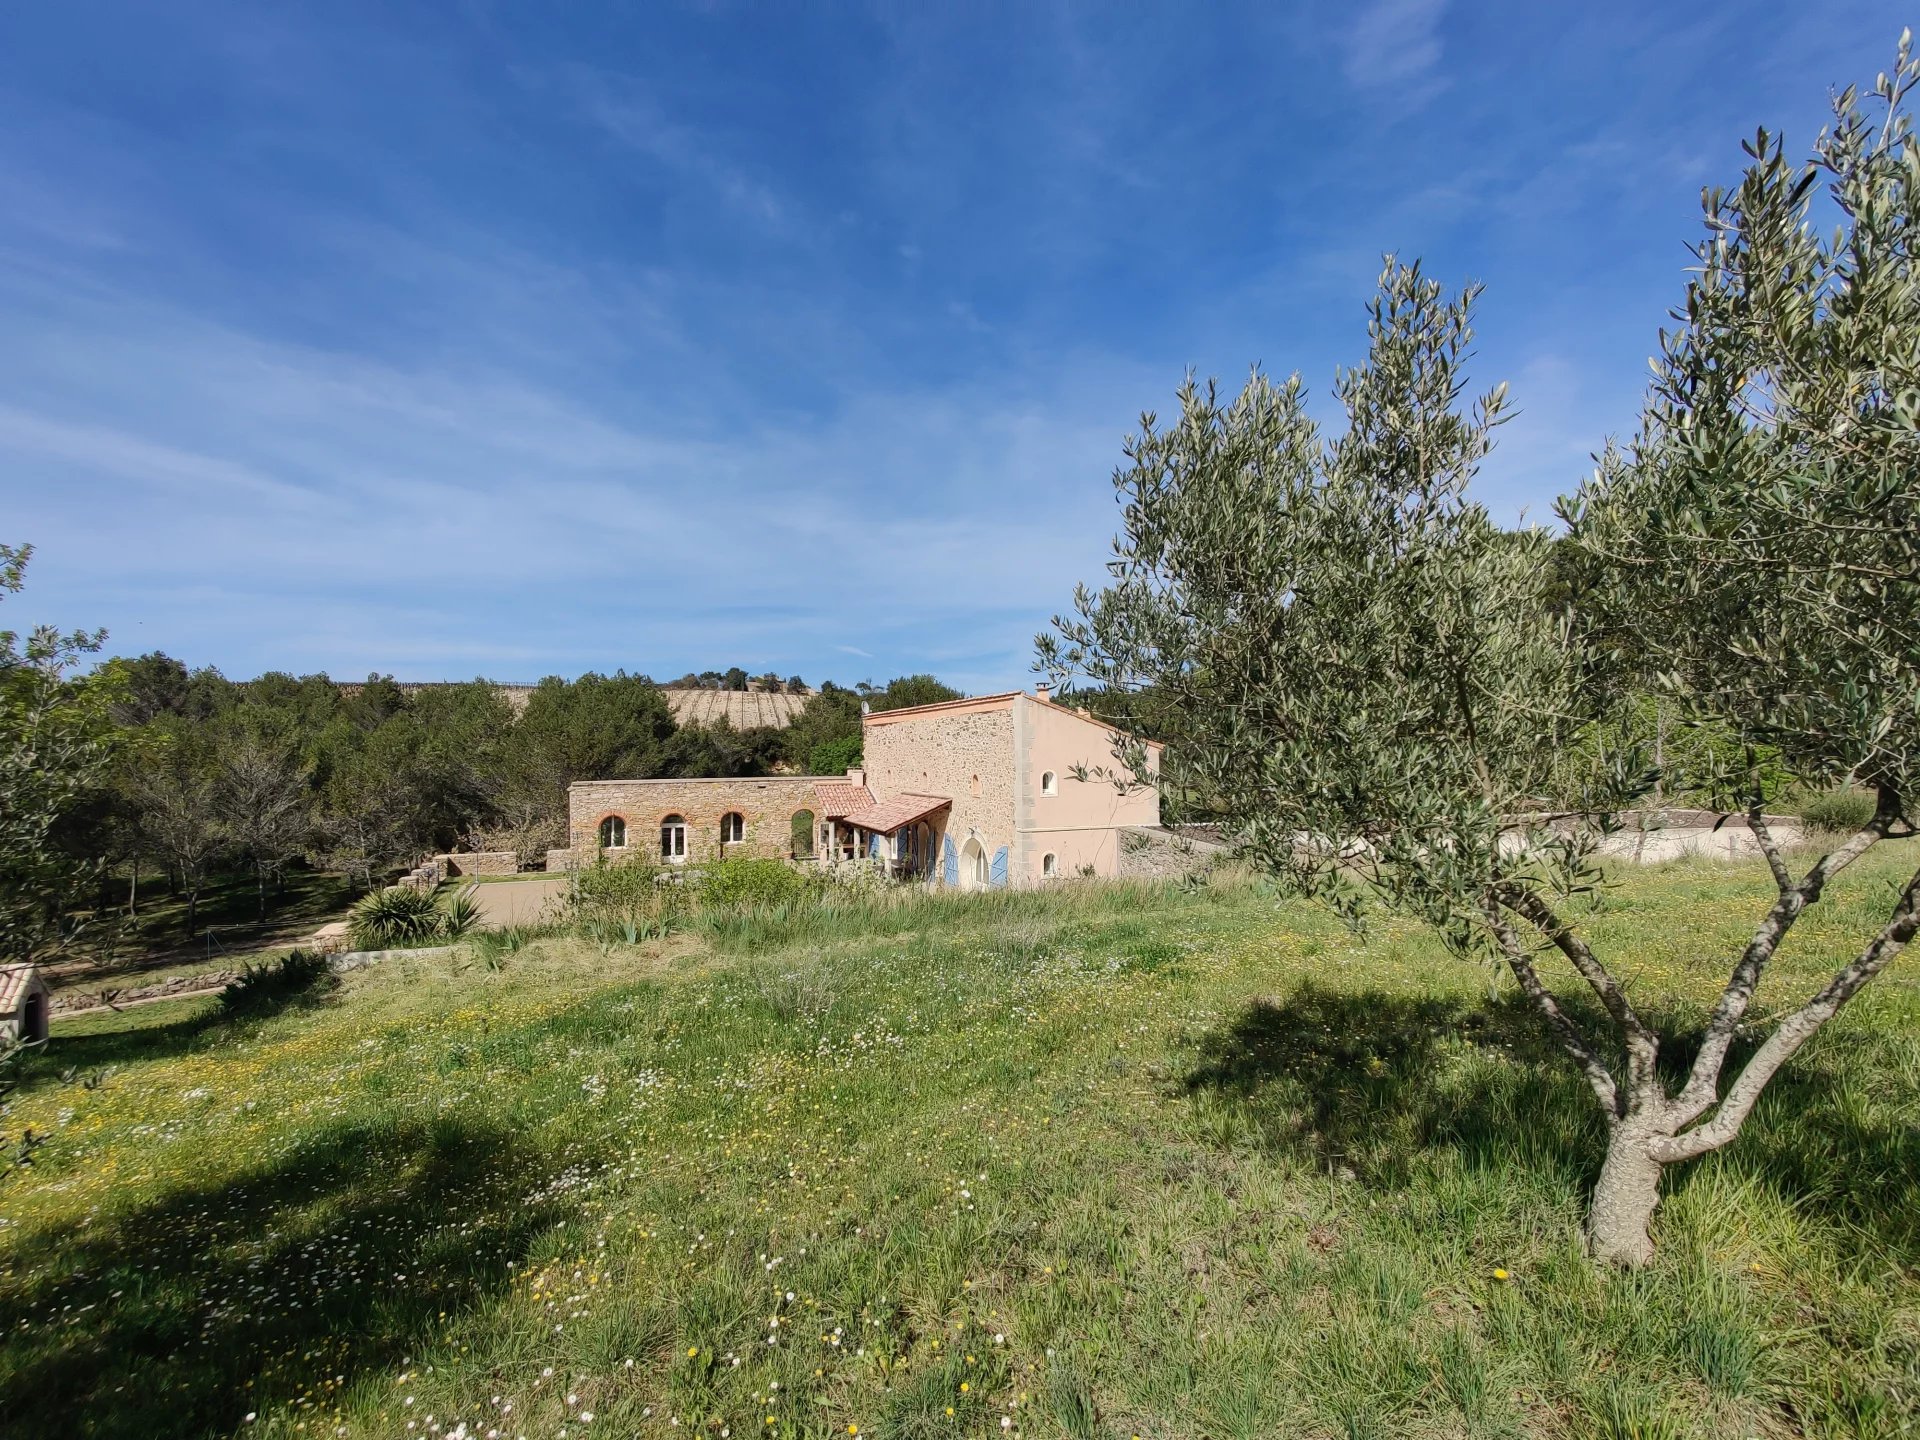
x=766 y=803
x=966 y=755
x=1151 y=852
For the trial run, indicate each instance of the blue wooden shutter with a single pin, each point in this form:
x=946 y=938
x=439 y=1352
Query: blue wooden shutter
x=950 y=864
x=997 y=877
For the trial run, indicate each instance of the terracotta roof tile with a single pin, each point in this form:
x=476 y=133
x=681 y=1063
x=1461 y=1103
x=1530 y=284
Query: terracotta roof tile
x=840 y=798
x=14 y=980
x=888 y=815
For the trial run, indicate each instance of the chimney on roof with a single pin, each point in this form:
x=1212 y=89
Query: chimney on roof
x=857 y=776
x=1043 y=692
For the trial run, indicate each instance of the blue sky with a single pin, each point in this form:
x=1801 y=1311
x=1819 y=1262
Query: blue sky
x=514 y=340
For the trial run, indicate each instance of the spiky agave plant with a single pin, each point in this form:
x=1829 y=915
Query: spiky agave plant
x=393 y=918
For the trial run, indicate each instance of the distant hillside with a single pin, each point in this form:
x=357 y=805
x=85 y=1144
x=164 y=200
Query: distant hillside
x=744 y=709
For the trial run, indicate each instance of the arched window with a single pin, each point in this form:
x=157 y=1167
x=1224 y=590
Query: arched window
x=733 y=828
x=673 y=839
x=1049 y=865
x=1049 y=783
x=974 y=786
x=800 y=833
x=613 y=833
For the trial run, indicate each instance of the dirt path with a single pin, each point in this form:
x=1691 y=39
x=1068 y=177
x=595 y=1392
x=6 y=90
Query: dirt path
x=517 y=902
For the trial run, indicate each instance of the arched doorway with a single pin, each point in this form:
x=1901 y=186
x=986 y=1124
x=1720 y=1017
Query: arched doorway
x=800 y=835
x=973 y=865
x=33 y=1024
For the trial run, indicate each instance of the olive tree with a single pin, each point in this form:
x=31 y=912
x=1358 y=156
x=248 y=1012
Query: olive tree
x=1376 y=688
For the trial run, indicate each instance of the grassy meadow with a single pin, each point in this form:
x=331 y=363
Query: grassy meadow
x=1097 y=1162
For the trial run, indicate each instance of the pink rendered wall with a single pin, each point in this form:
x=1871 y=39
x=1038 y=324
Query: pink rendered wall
x=1080 y=823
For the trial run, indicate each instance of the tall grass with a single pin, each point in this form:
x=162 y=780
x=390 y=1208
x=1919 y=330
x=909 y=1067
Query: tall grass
x=1095 y=1161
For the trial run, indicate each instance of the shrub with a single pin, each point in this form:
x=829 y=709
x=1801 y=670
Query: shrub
x=393 y=919
x=461 y=914
x=730 y=884
x=623 y=900
x=274 y=982
x=1839 y=810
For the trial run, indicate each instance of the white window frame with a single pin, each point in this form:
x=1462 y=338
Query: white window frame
x=606 y=821
x=1049 y=783
x=673 y=840
x=1049 y=865
x=738 y=823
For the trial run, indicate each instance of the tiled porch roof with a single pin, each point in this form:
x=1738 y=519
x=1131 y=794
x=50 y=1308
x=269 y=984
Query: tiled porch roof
x=888 y=815
x=14 y=980
x=840 y=798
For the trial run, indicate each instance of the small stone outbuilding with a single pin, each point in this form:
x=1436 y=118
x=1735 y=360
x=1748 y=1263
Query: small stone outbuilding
x=26 y=1005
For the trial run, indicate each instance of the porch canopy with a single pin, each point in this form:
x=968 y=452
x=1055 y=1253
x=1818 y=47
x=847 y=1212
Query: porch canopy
x=884 y=817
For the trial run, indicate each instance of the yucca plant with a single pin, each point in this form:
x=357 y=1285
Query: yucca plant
x=460 y=914
x=393 y=918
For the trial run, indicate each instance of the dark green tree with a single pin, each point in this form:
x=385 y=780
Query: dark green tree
x=56 y=754
x=910 y=690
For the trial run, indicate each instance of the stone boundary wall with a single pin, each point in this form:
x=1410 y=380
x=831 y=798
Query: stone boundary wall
x=1646 y=839
x=1157 y=852
x=1668 y=836
x=480 y=862
x=429 y=874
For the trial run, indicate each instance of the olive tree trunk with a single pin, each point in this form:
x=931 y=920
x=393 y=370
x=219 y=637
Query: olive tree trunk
x=1649 y=1128
x=1619 y=1224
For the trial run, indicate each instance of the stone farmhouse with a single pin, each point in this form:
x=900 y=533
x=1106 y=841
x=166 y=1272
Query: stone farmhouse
x=975 y=794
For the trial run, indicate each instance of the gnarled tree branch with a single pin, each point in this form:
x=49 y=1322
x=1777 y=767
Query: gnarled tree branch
x=1703 y=1079
x=1795 y=1031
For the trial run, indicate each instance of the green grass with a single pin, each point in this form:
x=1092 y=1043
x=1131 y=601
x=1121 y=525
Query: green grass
x=227 y=934
x=1097 y=1162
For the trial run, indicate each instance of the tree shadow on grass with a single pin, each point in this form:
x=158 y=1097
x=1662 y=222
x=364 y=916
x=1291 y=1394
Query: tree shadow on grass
x=297 y=1278
x=218 y=1019
x=1365 y=1082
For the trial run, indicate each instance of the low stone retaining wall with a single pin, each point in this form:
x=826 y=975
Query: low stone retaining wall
x=360 y=959
x=1156 y=852
x=480 y=862
x=65 y=1001
x=1645 y=839
x=1672 y=834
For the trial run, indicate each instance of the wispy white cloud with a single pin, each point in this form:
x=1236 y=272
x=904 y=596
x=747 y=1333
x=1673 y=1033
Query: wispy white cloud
x=1394 y=46
x=637 y=121
x=292 y=506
